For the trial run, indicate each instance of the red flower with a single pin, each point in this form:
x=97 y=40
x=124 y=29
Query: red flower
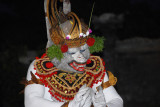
x=90 y=41
x=49 y=65
x=64 y=48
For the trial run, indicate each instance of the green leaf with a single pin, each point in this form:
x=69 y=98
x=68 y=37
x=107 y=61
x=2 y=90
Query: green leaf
x=98 y=45
x=54 y=52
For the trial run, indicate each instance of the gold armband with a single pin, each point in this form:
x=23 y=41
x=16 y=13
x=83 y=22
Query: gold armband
x=112 y=81
x=33 y=80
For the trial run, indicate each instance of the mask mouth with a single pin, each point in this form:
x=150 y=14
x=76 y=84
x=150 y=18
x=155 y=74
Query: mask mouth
x=78 y=66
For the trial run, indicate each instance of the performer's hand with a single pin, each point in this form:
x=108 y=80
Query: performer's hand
x=98 y=99
x=88 y=100
x=82 y=98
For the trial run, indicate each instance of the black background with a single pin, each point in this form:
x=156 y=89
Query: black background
x=23 y=29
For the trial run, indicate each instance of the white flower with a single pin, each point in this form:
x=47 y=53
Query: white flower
x=81 y=35
x=84 y=35
x=87 y=33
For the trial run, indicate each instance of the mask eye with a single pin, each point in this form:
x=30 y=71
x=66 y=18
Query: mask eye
x=71 y=53
x=81 y=51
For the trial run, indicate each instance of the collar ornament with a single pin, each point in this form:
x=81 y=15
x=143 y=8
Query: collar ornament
x=63 y=85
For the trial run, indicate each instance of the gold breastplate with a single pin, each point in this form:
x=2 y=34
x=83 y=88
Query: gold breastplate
x=64 y=85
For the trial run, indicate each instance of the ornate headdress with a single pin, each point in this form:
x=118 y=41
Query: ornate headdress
x=65 y=28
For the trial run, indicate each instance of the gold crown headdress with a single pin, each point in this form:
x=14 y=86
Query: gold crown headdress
x=66 y=29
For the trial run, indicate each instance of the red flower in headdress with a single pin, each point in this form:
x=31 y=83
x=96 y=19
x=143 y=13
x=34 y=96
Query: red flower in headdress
x=64 y=48
x=90 y=41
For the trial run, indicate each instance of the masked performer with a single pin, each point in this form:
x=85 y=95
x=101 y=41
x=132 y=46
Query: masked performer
x=67 y=75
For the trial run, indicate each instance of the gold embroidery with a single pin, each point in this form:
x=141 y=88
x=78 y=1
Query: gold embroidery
x=61 y=75
x=70 y=78
x=67 y=84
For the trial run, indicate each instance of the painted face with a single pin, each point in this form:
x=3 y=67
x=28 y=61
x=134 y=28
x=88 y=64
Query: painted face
x=74 y=59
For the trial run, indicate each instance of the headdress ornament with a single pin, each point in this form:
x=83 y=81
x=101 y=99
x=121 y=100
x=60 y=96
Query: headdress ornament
x=66 y=29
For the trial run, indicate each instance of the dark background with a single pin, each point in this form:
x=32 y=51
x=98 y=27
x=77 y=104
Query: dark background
x=132 y=46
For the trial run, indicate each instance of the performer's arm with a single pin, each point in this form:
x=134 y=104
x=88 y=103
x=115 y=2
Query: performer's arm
x=34 y=97
x=34 y=93
x=111 y=96
x=106 y=96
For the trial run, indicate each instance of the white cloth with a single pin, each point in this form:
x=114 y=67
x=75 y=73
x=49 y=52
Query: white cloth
x=34 y=97
x=38 y=96
x=98 y=99
x=111 y=96
x=82 y=98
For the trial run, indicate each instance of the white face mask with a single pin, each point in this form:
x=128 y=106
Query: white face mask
x=78 y=54
x=74 y=59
